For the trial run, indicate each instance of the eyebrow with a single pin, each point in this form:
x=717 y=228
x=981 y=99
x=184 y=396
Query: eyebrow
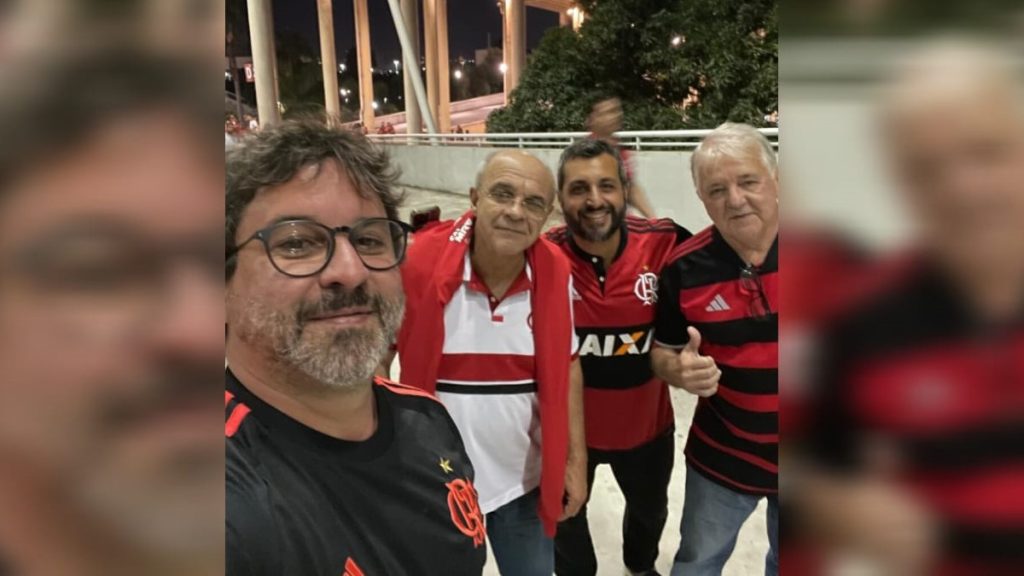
x=502 y=186
x=288 y=218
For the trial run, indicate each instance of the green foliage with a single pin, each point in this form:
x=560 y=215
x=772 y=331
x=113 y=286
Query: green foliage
x=727 y=54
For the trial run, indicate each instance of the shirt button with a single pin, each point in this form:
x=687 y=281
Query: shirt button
x=601 y=278
x=493 y=299
x=594 y=260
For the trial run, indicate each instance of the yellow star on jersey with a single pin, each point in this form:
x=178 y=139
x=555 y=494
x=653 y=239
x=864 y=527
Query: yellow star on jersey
x=446 y=465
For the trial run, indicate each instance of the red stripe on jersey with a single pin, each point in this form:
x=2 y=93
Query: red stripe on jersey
x=749 y=355
x=486 y=367
x=751 y=402
x=627 y=418
x=992 y=496
x=235 y=420
x=709 y=472
x=740 y=433
x=756 y=461
x=228 y=396
x=352 y=569
x=723 y=301
x=937 y=389
x=404 y=389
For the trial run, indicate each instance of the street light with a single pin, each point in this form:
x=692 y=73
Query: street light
x=396 y=66
x=503 y=67
x=677 y=40
x=375 y=105
x=458 y=74
x=341 y=67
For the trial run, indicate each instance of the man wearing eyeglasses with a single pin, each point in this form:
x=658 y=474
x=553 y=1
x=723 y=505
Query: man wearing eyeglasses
x=716 y=336
x=489 y=329
x=329 y=471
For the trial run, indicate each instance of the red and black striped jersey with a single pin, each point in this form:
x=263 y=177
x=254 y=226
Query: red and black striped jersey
x=914 y=381
x=625 y=405
x=734 y=437
x=301 y=502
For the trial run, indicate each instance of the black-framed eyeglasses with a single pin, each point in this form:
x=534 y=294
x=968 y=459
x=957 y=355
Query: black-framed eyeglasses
x=301 y=248
x=750 y=283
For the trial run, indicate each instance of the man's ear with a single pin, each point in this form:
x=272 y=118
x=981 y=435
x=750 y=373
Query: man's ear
x=474 y=196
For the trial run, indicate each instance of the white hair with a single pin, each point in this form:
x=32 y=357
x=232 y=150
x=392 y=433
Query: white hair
x=732 y=140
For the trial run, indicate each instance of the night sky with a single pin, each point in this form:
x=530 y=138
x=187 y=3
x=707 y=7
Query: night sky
x=469 y=22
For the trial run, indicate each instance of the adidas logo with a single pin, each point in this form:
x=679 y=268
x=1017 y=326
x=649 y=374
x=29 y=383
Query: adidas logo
x=718 y=304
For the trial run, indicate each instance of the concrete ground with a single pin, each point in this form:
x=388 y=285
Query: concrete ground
x=606 y=504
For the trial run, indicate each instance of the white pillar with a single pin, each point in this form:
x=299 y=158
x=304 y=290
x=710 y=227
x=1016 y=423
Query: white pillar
x=443 y=81
x=261 y=32
x=430 y=51
x=411 y=16
x=364 y=62
x=515 y=59
x=329 y=59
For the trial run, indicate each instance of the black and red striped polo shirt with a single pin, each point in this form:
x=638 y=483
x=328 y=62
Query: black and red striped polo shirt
x=915 y=386
x=734 y=438
x=625 y=405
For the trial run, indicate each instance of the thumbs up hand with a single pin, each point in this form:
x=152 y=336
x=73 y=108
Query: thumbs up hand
x=697 y=374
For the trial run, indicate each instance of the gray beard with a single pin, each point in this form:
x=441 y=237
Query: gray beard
x=339 y=359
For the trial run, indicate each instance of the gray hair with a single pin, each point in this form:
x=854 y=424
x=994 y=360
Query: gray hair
x=591 y=148
x=276 y=154
x=732 y=140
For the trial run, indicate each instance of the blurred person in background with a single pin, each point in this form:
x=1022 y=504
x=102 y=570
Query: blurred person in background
x=627 y=410
x=913 y=463
x=716 y=336
x=110 y=319
x=604 y=121
x=330 y=470
x=488 y=328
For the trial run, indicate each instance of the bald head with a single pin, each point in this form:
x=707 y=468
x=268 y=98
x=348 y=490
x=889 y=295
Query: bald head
x=520 y=159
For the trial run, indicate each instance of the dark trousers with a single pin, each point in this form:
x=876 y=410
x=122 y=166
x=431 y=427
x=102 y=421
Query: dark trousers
x=642 y=474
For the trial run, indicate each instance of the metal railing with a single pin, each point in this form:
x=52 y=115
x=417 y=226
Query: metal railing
x=662 y=140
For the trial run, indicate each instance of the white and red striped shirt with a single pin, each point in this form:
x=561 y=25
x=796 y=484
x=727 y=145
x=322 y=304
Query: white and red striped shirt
x=487 y=380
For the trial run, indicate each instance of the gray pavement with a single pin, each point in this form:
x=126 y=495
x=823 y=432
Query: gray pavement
x=606 y=504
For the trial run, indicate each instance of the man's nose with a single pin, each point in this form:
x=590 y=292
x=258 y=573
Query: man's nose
x=345 y=266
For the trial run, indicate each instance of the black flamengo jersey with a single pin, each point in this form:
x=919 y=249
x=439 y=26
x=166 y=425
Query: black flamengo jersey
x=303 y=503
x=734 y=438
x=913 y=375
x=625 y=404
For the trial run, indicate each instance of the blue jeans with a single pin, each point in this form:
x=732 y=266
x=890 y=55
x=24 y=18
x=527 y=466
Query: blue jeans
x=712 y=517
x=517 y=538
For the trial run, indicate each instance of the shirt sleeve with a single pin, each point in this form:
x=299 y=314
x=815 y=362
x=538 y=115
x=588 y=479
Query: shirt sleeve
x=682 y=234
x=669 y=322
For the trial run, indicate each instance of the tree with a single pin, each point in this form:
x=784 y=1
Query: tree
x=299 y=75
x=656 y=56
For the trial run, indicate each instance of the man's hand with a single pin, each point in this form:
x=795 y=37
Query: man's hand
x=875 y=520
x=575 y=488
x=697 y=374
